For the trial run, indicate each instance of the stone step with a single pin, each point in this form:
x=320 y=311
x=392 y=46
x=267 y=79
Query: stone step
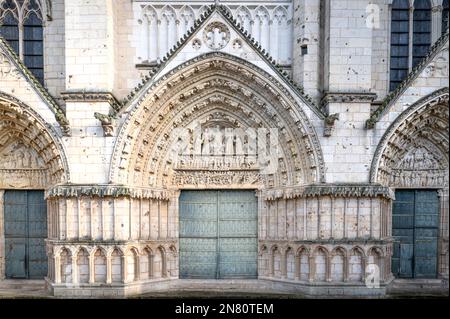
x=23 y=285
x=418 y=287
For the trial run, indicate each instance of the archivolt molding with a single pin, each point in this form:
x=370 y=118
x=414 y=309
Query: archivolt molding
x=32 y=156
x=200 y=92
x=414 y=150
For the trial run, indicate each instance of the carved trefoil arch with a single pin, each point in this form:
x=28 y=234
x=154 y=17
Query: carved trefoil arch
x=31 y=153
x=413 y=153
x=215 y=91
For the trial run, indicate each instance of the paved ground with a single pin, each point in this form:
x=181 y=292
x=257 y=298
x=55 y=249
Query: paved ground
x=17 y=289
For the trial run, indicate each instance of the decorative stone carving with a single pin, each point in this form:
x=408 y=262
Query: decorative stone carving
x=329 y=124
x=439 y=47
x=196 y=44
x=183 y=97
x=218 y=178
x=414 y=150
x=216 y=35
x=25 y=164
x=7 y=69
x=19 y=156
x=107 y=123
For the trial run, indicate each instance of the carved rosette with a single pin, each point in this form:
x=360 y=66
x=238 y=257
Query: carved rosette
x=216 y=35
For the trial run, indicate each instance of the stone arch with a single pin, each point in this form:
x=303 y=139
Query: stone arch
x=116 y=265
x=172 y=266
x=66 y=265
x=100 y=265
x=146 y=263
x=375 y=256
x=356 y=264
x=83 y=265
x=290 y=263
x=338 y=264
x=413 y=152
x=132 y=264
x=303 y=255
x=29 y=145
x=320 y=263
x=159 y=263
x=244 y=18
x=213 y=89
x=275 y=261
x=263 y=261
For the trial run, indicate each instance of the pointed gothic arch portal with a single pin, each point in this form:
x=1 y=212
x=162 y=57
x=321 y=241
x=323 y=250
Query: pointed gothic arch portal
x=412 y=158
x=216 y=122
x=31 y=160
x=216 y=128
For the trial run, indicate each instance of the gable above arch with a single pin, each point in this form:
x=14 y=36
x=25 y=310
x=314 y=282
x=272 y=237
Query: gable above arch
x=18 y=81
x=31 y=153
x=215 y=90
x=216 y=31
x=414 y=150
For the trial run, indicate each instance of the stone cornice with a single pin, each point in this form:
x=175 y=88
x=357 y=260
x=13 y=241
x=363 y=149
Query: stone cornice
x=101 y=191
x=37 y=86
x=414 y=74
x=347 y=97
x=333 y=190
x=87 y=96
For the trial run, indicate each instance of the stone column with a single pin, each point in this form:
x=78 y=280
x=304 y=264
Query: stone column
x=124 y=269
x=150 y=265
x=345 y=270
x=443 y=235
x=74 y=269
x=297 y=268
x=436 y=23
x=92 y=268
x=271 y=264
x=364 y=266
x=312 y=268
x=328 y=268
x=2 y=237
x=57 y=263
x=109 y=269
x=283 y=264
x=137 y=267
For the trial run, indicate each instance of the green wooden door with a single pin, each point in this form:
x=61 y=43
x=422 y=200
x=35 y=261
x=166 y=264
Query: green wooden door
x=218 y=234
x=25 y=215
x=415 y=222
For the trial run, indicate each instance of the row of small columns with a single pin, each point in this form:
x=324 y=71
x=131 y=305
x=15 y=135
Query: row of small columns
x=312 y=266
x=57 y=263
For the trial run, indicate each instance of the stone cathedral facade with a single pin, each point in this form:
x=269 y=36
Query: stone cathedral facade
x=299 y=145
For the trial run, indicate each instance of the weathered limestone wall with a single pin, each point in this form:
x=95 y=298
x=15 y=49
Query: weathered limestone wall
x=306 y=65
x=89 y=45
x=325 y=218
x=350 y=47
x=324 y=238
x=54 y=50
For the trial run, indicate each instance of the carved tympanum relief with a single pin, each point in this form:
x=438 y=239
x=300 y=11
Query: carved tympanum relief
x=233 y=106
x=414 y=151
x=29 y=156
